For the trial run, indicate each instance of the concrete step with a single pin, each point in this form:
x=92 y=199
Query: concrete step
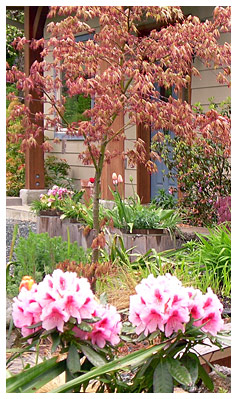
x=20 y=212
x=11 y=201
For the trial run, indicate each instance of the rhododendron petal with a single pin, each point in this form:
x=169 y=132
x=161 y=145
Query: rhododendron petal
x=53 y=316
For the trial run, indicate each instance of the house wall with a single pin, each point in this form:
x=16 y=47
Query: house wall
x=206 y=85
x=201 y=89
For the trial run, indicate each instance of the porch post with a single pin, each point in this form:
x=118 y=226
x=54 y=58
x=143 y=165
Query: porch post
x=34 y=157
x=143 y=177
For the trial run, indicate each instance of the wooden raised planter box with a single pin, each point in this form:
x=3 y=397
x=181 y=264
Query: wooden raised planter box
x=49 y=223
x=54 y=226
x=143 y=240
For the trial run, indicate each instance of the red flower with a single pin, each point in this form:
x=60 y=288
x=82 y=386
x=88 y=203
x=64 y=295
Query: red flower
x=92 y=180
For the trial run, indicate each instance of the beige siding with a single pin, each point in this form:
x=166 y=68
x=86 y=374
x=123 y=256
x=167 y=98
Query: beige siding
x=206 y=85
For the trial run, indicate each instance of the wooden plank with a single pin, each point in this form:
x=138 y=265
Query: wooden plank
x=143 y=177
x=213 y=354
x=35 y=18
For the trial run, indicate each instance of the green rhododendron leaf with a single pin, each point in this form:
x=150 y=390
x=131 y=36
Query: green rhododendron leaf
x=179 y=372
x=94 y=357
x=162 y=379
x=73 y=360
x=191 y=361
x=84 y=326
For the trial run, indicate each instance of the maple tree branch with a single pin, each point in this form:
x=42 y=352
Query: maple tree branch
x=118 y=132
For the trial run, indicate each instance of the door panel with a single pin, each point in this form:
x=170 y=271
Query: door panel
x=158 y=179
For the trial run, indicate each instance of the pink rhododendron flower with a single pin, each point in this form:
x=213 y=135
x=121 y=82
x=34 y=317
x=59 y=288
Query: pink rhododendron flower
x=213 y=322
x=153 y=320
x=61 y=296
x=107 y=329
x=54 y=316
x=176 y=320
x=137 y=306
x=163 y=304
x=26 y=310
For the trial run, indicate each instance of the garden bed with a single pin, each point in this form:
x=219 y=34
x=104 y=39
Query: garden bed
x=142 y=239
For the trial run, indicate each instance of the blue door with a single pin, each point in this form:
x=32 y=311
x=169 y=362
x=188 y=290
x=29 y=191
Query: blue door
x=159 y=180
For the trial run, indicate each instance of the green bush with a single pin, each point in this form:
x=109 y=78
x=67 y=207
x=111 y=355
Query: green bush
x=202 y=170
x=15 y=158
x=56 y=172
x=38 y=255
x=56 y=169
x=131 y=214
x=165 y=200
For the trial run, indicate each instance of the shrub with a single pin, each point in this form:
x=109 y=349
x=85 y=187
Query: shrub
x=56 y=172
x=56 y=169
x=15 y=158
x=202 y=176
x=165 y=200
x=87 y=332
x=39 y=254
x=202 y=170
x=223 y=207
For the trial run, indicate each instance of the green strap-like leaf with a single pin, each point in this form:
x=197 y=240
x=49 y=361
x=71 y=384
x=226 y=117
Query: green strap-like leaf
x=73 y=360
x=162 y=379
x=132 y=359
x=35 y=377
x=179 y=372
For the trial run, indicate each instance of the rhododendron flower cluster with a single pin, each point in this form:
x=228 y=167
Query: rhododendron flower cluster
x=164 y=304
x=59 y=297
x=55 y=193
x=106 y=329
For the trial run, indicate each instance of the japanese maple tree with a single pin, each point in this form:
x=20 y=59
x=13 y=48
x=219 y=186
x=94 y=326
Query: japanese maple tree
x=120 y=68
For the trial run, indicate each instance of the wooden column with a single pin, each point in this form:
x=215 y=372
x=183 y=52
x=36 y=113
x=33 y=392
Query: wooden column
x=143 y=177
x=116 y=165
x=35 y=18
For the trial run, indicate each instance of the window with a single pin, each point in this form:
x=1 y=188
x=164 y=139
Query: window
x=74 y=106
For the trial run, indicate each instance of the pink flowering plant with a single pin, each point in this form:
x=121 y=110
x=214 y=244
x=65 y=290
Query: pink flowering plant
x=170 y=317
x=64 y=307
x=181 y=317
x=55 y=199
